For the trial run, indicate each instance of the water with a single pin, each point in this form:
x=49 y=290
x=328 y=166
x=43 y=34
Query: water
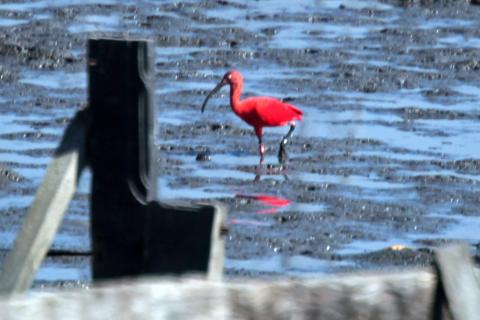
x=56 y=273
x=93 y=23
x=466 y=42
x=5 y=22
x=56 y=80
x=299 y=266
x=371 y=182
x=463 y=228
x=42 y=4
x=168 y=193
x=367 y=149
x=15 y=202
x=365 y=246
x=61 y=241
x=362 y=116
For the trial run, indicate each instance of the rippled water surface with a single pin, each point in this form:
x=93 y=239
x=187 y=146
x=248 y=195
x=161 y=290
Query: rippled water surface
x=388 y=152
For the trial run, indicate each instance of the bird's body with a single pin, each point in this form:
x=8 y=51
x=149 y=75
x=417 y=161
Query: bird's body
x=259 y=112
x=267 y=112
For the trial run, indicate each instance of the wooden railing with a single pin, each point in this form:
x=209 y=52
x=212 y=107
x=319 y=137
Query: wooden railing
x=447 y=291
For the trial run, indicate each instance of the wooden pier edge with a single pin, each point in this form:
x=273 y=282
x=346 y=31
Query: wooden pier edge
x=407 y=295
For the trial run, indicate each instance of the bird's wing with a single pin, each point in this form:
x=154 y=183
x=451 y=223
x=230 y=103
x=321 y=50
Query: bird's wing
x=272 y=112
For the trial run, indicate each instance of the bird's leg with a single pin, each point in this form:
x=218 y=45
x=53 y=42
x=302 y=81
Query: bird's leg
x=261 y=147
x=261 y=150
x=282 y=152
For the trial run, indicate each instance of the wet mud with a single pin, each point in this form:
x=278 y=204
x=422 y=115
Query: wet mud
x=384 y=168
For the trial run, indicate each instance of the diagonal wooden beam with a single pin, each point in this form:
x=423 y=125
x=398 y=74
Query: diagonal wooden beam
x=47 y=210
x=457 y=279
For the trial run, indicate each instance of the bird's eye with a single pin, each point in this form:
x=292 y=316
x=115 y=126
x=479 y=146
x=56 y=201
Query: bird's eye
x=230 y=76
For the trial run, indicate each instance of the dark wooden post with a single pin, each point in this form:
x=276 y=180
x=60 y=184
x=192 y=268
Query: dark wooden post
x=119 y=73
x=185 y=239
x=131 y=234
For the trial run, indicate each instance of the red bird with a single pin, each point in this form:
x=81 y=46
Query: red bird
x=259 y=112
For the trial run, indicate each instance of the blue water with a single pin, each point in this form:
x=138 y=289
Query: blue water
x=95 y=23
x=299 y=266
x=6 y=22
x=331 y=113
x=42 y=4
x=56 y=80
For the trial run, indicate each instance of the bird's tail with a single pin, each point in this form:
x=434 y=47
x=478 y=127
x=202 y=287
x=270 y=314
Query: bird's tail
x=297 y=111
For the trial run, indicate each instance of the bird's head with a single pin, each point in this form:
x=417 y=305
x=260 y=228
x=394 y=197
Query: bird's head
x=232 y=78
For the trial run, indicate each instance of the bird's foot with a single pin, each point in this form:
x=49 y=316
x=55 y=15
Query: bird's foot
x=275 y=168
x=270 y=169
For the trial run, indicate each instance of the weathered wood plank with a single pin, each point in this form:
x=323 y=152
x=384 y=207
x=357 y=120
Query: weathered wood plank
x=458 y=281
x=216 y=261
x=388 y=296
x=405 y=295
x=47 y=210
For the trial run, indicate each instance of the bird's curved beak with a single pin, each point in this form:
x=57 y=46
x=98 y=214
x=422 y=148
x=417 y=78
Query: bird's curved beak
x=215 y=90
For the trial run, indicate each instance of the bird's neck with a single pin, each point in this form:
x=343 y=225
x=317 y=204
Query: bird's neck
x=235 y=93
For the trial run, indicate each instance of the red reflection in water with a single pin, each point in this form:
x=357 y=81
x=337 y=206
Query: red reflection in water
x=274 y=202
x=268 y=211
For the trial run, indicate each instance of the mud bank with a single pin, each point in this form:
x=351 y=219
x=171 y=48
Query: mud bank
x=388 y=153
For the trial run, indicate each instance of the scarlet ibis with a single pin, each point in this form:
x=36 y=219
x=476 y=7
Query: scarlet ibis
x=259 y=112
